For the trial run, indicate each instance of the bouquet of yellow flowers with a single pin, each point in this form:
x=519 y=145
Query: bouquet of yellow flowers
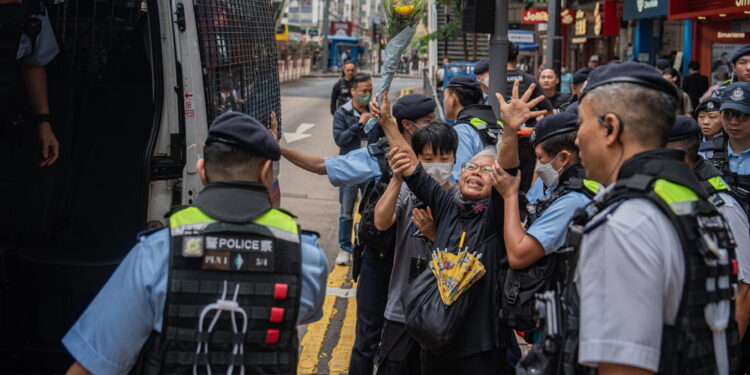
x=401 y=19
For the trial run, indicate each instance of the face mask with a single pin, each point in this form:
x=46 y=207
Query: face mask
x=563 y=70
x=440 y=172
x=547 y=173
x=364 y=99
x=486 y=81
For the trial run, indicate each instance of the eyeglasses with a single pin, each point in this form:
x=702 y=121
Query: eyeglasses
x=473 y=167
x=729 y=115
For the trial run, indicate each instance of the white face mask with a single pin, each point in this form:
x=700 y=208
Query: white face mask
x=440 y=172
x=486 y=81
x=547 y=172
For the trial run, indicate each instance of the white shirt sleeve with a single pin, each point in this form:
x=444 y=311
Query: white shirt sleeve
x=740 y=227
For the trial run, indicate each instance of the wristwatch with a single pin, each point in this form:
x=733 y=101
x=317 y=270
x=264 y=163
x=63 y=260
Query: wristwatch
x=45 y=117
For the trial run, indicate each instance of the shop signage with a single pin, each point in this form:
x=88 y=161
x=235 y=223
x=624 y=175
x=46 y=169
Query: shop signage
x=580 y=40
x=540 y=15
x=606 y=19
x=637 y=9
x=341 y=29
x=580 y=27
x=723 y=35
x=742 y=3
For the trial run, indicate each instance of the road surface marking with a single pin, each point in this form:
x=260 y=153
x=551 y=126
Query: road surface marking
x=342 y=353
x=298 y=134
x=341 y=292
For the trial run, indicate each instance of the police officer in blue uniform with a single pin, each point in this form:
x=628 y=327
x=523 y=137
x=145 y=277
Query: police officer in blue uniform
x=366 y=165
x=735 y=117
x=223 y=287
x=482 y=72
x=709 y=119
x=27 y=44
x=653 y=275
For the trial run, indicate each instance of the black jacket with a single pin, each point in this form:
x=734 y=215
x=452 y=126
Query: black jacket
x=695 y=85
x=341 y=94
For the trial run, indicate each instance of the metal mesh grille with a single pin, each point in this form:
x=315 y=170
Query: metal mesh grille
x=239 y=57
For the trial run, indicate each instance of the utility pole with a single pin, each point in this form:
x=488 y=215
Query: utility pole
x=324 y=35
x=432 y=44
x=499 y=54
x=553 y=54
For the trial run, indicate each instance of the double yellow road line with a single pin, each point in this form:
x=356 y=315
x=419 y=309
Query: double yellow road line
x=327 y=344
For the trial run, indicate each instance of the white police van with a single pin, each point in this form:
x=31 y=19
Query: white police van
x=131 y=95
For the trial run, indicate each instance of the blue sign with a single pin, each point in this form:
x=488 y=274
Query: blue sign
x=638 y=9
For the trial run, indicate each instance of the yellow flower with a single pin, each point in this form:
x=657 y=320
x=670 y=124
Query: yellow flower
x=404 y=10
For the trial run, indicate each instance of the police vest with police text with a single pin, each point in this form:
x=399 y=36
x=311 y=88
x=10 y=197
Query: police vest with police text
x=708 y=251
x=233 y=295
x=740 y=183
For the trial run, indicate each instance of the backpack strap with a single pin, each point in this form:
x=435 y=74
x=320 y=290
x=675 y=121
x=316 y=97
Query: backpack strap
x=380 y=151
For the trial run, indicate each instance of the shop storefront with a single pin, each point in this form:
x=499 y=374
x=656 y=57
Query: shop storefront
x=648 y=27
x=594 y=31
x=718 y=27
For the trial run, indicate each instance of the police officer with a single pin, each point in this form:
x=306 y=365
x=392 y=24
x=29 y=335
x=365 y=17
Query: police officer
x=709 y=119
x=685 y=136
x=476 y=124
x=224 y=287
x=735 y=119
x=27 y=43
x=482 y=72
x=740 y=62
x=365 y=165
x=577 y=84
x=649 y=295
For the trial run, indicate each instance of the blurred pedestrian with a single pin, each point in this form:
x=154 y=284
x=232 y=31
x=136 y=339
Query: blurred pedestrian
x=673 y=76
x=549 y=80
x=565 y=81
x=342 y=89
x=593 y=61
x=695 y=83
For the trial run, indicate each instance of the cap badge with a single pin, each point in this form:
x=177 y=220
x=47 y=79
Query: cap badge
x=710 y=106
x=532 y=137
x=737 y=95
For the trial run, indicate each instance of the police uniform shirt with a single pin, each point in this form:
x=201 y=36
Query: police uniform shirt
x=536 y=191
x=740 y=226
x=551 y=228
x=738 y=163
x=45 y=48
x=469 y=144
x=356 y=167
x=109 y=335
x=630 y=278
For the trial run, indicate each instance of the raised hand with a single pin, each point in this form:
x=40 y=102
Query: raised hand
x=517 y=111
x=505 y=184
x=274 y=129
x=402 y=163
x=424 y=220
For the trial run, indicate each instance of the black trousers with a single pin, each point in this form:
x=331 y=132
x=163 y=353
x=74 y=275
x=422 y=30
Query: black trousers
x=489 y=362
x=372 y=296
x=398 y=353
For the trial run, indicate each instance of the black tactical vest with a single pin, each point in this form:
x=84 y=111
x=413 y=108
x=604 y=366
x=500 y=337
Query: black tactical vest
x=572 y=179
x=233 y=294
x=716 y=154
x=687 y=346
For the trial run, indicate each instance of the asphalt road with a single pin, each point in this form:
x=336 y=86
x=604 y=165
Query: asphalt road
x=309 y=196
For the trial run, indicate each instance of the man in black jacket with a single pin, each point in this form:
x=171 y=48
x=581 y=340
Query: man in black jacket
x=341 y=90
x=695 y=84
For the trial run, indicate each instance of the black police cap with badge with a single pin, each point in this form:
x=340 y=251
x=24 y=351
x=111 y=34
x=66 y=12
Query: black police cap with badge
x=413 y=106
x=708 y=105
x=633 y=73
x=553 y=125
x=482 y=66
x=240 y=130
x=684 y=127
x=466 y=82
x=737 y=97
x=742 y=51
x=581 y=75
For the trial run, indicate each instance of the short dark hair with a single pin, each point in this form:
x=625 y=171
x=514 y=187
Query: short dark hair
x=690 y=145
x=441 y=137
x=674 y=73
x=229 y=162
x=546 y=67
x=359 y=78
x=347 y=62
x=565 y=141
x=513 y=51
x=467 y=95
x=694 y=65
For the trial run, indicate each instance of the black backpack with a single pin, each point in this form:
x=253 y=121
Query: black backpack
x=370 y=238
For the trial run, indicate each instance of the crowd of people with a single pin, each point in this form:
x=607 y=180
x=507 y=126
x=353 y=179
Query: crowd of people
x=608 y=228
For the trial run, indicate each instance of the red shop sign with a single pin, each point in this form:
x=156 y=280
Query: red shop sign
x=540 y=15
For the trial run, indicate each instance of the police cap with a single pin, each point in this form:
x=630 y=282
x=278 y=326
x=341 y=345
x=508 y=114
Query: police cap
x=464 y=82
x=662 y=64
x=240 y=130
x=482 y=66
x=742 y=51
x=709 y=105
x=581 y=75
x=413 y=106
x=736 y=96
x=684 y=127
x=553 y=125
x=633 y=73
